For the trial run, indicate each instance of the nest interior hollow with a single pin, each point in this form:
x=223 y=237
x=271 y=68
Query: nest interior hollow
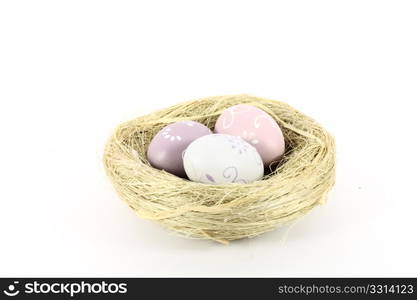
x=289 y=190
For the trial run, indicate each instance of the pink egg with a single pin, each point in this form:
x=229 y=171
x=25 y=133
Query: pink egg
x=256 y=127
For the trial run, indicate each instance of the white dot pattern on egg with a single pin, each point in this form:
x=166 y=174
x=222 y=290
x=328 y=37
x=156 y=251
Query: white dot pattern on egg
x=221 y=159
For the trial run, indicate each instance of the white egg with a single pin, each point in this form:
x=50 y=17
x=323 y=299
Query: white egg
x=222 y=158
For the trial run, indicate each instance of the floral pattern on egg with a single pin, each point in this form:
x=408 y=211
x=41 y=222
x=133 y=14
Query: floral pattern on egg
x=256 y=127
x=166 y=134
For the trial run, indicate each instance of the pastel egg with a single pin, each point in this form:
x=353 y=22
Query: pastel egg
x=221 y=159
x=256 y=127
x=167 y=146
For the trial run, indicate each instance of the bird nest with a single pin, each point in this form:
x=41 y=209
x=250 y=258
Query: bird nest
x=290 y=188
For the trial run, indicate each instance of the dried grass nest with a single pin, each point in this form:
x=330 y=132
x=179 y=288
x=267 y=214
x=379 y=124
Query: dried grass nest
x=292 y=187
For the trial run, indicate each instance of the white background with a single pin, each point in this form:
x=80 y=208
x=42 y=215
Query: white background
x=70 y=71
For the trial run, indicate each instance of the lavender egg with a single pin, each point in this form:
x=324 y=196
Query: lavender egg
x=221 y=159
x=167 y=146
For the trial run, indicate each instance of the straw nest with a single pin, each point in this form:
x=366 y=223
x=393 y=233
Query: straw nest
x=289 y=190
